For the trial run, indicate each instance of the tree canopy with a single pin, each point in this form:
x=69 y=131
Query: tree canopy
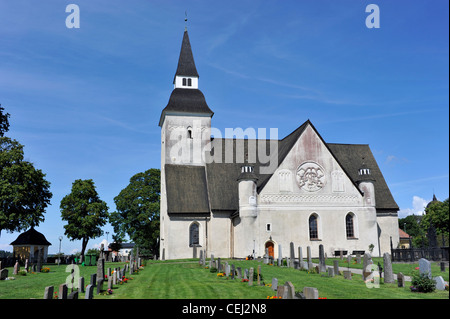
x=24 y=192
x=84 y=212
x=137 y=213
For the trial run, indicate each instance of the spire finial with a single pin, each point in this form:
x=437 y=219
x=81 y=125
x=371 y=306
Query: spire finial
x=185 y=20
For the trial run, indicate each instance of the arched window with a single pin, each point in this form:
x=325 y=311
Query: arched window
x=189 y=132
x=313 y=233
x=194 y=238
x=189 y=82
x=184 y=81
x=349 y=226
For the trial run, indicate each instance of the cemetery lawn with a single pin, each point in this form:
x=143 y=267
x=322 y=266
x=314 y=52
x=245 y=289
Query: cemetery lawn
x=184 y=279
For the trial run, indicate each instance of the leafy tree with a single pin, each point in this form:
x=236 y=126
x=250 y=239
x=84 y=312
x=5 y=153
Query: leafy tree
x=437 y=213
x=137 y=212
x=4 y=123
x=24 y=192
x=84 y=212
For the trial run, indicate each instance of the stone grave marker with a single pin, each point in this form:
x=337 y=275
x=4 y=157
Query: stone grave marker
x=245 y=273
x=62 y=294
x=73 y=295
x=308 y=257
x=89 y=292
x=367 y=262
x=16 y=268
x=81 y=284
x=48 y=292
x=400 y=280
x=100 y=285
x=233 y=270
x=274 y=284
x=281 y=292
x=442 y=266
x=3 y=274
x=440 y=283
x=336 y=266
x=292 y=255
x=289 y=290
x=250 y=279
x=93 y=281
x=300 y=257
x=388 y=273
x=358 y=258
x=266 y=256
x=347 y=274
x=259 y=275
x=322 y=266
x=280 y=256
x=311 y=293
x=425 y=267
x=239 y=272
x=330 y=272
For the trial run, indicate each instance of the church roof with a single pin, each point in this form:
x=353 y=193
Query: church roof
x=31 y=237
x=186 y=64
x=186 y=101
x=187 y=191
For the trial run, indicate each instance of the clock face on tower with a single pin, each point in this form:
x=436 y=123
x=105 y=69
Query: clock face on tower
x=310 y=177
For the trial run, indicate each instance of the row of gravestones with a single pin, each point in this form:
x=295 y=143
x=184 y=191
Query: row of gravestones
x=285 y=292
x=114 y=276
x=425 y=269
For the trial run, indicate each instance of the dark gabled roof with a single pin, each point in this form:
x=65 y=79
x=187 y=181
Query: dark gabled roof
x=222 y=176
x=186 y=101
x=186 y=64
x=31 y=237
x=350 y=157
x=186 y=188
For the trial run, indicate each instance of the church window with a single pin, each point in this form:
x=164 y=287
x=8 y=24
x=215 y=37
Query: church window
x=313 y=233
x=194 y=236
x=268 y=227
x=189 y=82
x=349 y=226
x=189 y=131
x=184 y=81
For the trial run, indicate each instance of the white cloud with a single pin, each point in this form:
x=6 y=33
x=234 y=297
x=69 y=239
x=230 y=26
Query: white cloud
x=418 y=207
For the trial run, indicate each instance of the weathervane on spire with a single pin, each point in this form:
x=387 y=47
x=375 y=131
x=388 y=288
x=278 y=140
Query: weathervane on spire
x=185 y=20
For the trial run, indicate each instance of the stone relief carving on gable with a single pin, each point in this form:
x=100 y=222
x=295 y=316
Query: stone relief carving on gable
x=285 y=181
x=337 y=181
x=310 y=177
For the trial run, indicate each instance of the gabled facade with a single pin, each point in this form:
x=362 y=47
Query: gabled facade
x=317 y=192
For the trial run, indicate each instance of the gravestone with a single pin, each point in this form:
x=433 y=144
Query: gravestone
x=3 y=274
x=400 y=280
x=93 y=281
x=308 y=257
x=227 y=269
x=442 y=266
x=89 y=292
x=330 y=272
x=322 y=266
x=440 y=283
x=100 y=268
x=300 y=257
x=100 y=285
x=336 y=267
x=239 y=272
x=250 y=279
x=349 y=260
x=73 y=295
x=200 y=260
x=16 y=268
x=367 y=262
x=347 y=274
x=110 y=283
x=81 y=284
x=233 y=270
x=194 y=251
x=289 y=290
x=274 y=284
x=388 y=274
x=219 y=266
x=280 y=256
x=266 y=256
x=27 y=265
x=292 y=258
x=40 y=261
x=281 y=292
x=425 y=267
x=62 y=291
x=259 y=275
x=311 y=293
x=48 y=292
x=245 y=273
x=358 y=258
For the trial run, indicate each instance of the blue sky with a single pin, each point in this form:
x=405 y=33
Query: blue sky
x=86 y=102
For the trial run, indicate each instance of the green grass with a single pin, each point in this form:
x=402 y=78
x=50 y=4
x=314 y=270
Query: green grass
x=188 y=280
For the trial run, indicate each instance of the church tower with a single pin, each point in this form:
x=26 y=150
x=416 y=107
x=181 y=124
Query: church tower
x=186 y=120
x=185 y=136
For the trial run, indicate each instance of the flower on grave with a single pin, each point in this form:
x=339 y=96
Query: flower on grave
x=55 y=295
x=109 y=291
x=417 y=268
x=322 y=297
x=273 y=297
x=220 y=274
x=244 y=280
x=268 y=285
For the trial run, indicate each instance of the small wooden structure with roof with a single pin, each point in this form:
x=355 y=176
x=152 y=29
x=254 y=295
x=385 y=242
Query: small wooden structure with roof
x=28 y=244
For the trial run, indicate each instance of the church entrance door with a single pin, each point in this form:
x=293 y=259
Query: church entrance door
x=269 y=245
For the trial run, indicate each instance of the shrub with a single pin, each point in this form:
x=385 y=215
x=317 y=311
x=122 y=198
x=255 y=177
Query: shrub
x=421 y=283
x=213 y=269
x=22 y=272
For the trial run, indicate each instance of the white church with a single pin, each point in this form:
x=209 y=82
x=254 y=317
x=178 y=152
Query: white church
x=236 y=197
